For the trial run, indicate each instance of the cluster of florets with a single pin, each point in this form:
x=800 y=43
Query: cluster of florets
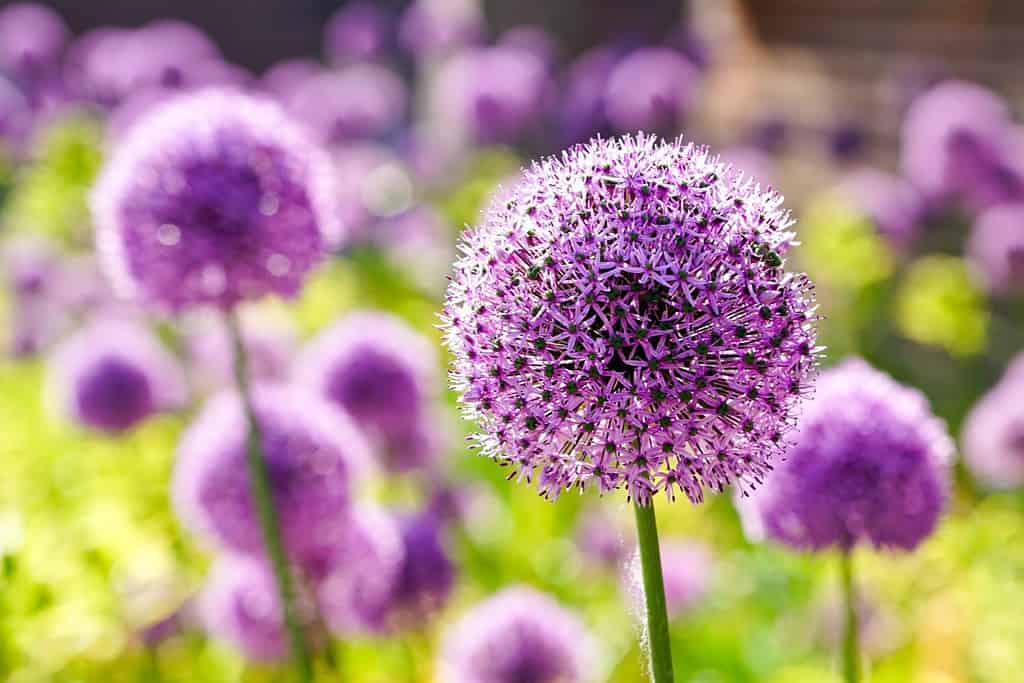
x=624 y=319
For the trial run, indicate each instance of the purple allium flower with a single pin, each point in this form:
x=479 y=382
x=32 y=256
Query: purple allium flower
x=993 y=433
x=382 y=373
x=30 y=266
x=769 y=134
x=239 y=604
x=32 y=37
x=355 y=570
x=624 y=320
x=432 y=28
x=270 y=344
x=427 y=573
x=491 y=95
x=313 y=453
x=281 y=79
x=33 y=325
x=995 y=248
x=516 y=635
x=354 y=103
x=958 y=140
x=214 y=198
x=687 y=568
x=583 y=108
x=869 y=463
x=890 y=202
x=847 y=141
x=177 y=622
x=651 y=89
x=533 y=39
x=15 y=117
x=372 y=184
x=359 y=30
x=112 y=374
x=599 y=537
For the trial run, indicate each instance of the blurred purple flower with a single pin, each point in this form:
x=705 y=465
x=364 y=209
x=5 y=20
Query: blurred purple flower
x=891 y=203
x=624 y=320
x=869 y=463
x=516 y=635
x=33 y=325
x=427 y=573
x=431 y=28
x=354 y=103
x=30 y=266
x=651 y=90
x=533 y=39
x=32 y=38
x=383 y=374
x=113 y=374
x=993 y=433
x=995 y=248
x=214 y=198
x=282 y=79
x=270 y=345
x=769 y=134
x=958 y=141
x=583 y=111
x=371 y=183
x=357 y=31
x=15 y=118
x=600 y=538
x=314 y=457
x=420 y=242
x=847 y=141
x=687 y=569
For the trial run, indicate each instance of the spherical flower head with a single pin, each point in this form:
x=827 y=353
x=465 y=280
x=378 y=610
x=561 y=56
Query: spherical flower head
x=378 y=370
x=491 y=94
x=357 y=31
x=354 y=103
x=625 y=319
x=32 y=38
x=112 y=374
x=651 y=89
x=518 y=634
x=314 y=457
x=431 y=28
x=958 y=140
x=239 y=604
x=215 y=198
x=993 y=435
x=687 y=567
x=995 y=248
x=869 y=464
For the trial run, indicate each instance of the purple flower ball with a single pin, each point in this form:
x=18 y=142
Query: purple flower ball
x=431 y=28
x=651 y=89
x=995 y=248
x=359 y=30
x=993 y=433
x=382 y=373
x=314 y=457
x=624 y=319
x=687 y=568
x=215 y=198
x=113 y=374
x=869 y=463
x=354 y=103
x=516 y=635
x=32 y=38
x=426 y=574
x=893 y=205
x=958 y=140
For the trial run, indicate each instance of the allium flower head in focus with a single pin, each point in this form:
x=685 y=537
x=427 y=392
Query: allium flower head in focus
x=869 y=464
x=214 y=198
x=112 y=374
x=625 y=319
x=518 y=634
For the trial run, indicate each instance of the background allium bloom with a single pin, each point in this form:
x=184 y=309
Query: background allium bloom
x=518 y=634
x=958 y=140
x=624 y=319
x=32 y=38
x=869 y=463
x=427 y=573
x=995 y=248
x=583 y=111
x=282 y=78
x=378 y=370
x=353 y=103
x=314 y=456
x=993 y=433
x=270 y=345
x=599 y=537
x=892 y=204
x=651 y=89
x=112 y=374
x=687 y=568
x=430 y=28
x=214 y=198
x=239 y=604
x=358 y=30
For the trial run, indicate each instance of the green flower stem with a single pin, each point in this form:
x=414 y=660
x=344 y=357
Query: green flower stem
x=658 y=641
x=851 y=644
x=260 y=482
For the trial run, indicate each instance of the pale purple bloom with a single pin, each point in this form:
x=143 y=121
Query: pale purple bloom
x=281 y=79
x=33 y=325
x=357 y=31
x=382 y=373
x=112 y=374
x=270 y=346
x=420 y=242
x=371 y=183
x=652 y=90
x=518 y=634
x=583 y=112
x=15 y=117
x=995 y=248
x=32 y=38
x=958 y=140
x=215 y=198
x=31 y=265
x=353 y=103
x=427 y=573
x=869 y=464
x=533 y=39
x=847 y=141
x=314 y=457
x=993 y=433
x=624 y=319
x=432 y=28
x=893 y=205
x=600 y=538
x=687 y=568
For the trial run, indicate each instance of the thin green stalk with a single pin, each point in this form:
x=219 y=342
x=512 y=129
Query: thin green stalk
x=851 y=640
x=654 y=591
x=260 y=482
